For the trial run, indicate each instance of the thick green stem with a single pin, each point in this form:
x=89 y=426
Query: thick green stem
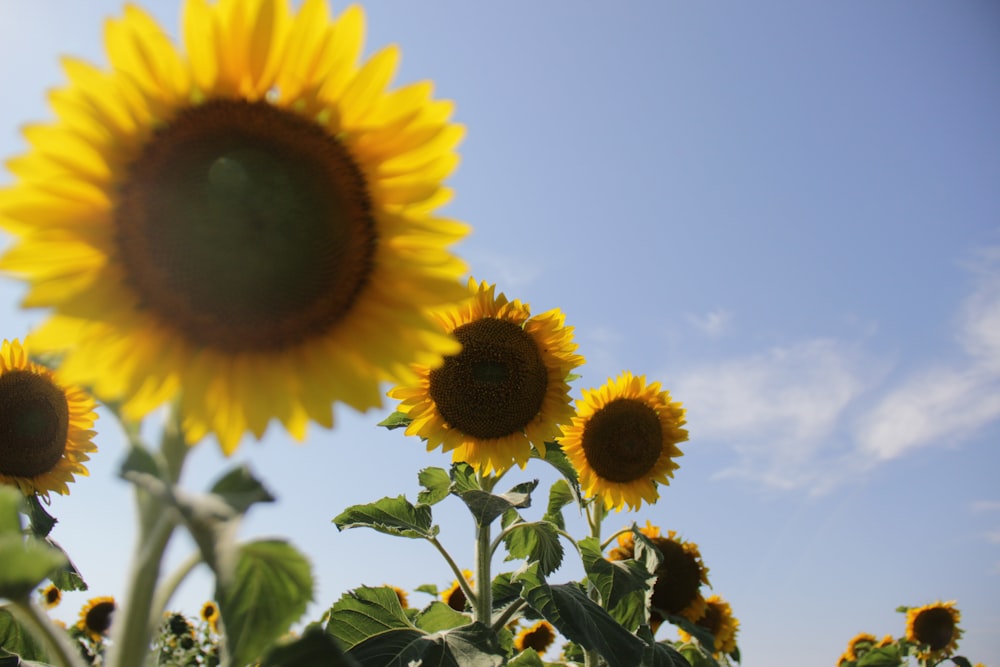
x=63 y=652
x=482 y=609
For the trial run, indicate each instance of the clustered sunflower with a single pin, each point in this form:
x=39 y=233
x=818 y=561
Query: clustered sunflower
x=244 y=223
x=504 y=392
x=538 y=637
x=858 y=646
x=45 y=425
x=934 y=629
x=719 y=620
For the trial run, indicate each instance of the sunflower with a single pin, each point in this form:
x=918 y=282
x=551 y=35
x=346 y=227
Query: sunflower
x=504 y=392
x=51 y=596
x=719 y=620
x=402 y=596
x=246 y=222
x=95 y=617
x=859 y=645
x=934 y=628
x=45 y=425
x=210 y=614
x=454 y=596
x=623 y=441
x=679 y=577
x=538 y=637
x=888 y=640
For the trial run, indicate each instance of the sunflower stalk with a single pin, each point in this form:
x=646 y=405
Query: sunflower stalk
x=482 y=609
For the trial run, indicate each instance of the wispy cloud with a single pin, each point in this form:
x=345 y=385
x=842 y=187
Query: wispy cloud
x=713 y=324
x=986 y=506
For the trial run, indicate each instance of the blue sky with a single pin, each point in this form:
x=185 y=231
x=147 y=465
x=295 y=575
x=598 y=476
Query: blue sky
x=787 y=212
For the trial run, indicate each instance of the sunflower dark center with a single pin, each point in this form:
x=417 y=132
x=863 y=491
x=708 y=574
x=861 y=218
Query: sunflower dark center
x=34 y=423
x=496 y=385
x=934 y=627
x=678 y=578
x=245 y=227
x=98 y=618
x=623 y=440
x=712 y=620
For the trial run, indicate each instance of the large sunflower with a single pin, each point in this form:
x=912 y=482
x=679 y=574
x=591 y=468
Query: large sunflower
x=95 y=617
x=246 y=221
x=934 y=628
x=719 y=620
x=45 y=425
x=504 y=392
x=623 y=441
x=679 y=577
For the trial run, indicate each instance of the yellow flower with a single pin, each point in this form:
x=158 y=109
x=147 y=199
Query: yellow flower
x=45 y=425
x=95 y=617
x=888 y=640
x=454 y=596
x=623 y=441
x=210 y=614
x=934 y=628
x=504 y=392
x=679 y=577
x=403 y=596
x=539 y=637
x=719 y=620
x=245 y=223
x=859 y=645
x=51 y=596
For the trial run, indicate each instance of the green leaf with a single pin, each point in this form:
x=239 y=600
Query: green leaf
x=961 y=661
x=438 y=616
x=486 y=507
x=886 y=656
x=662 y=654
x=314 y=647
x=430 y=589
x=436 y=483
x=695 y=657
x=704 y=636
x=271 y=587
x=139 y=460
x=463 y=478
x=504 y=592
x=27 y=562
x=66 y=578
x=536 y=541
x=240 y=489
x=580 y=619
x=526 y=658
x=366 y=612
x=41 y=521
x=17 y=640
x=560 y=495
x=556 y=457
x=395 y=420
x=10 y=512
x=394 y=516
x=625 y=584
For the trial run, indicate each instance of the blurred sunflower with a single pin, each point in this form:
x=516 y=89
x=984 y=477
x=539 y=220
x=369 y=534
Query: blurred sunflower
x=454 y=596
x=934 y=628
x=246 y=222
x=504 y=392
x=888 y=640
x=623 y=441
x=719 y=620
x=51 y=596
x=859 y=645
x=45 y=425
x=95 y=617
x=539 y=637
x=210 y=614
x=402 y=596
x=679 y=577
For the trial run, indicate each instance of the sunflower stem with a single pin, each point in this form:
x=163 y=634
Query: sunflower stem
x=507 y=614
x=166 y=590
x=482 y=609
x=55 y=638
x=470 y=595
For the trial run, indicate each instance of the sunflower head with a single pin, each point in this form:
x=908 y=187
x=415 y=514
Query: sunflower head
x=402 y=596
x=454 y=596
x=210 y=614
x=934 y=629
x=95 y=617
x=719 y=620
x=539 y=637
x=245 y=219
x=859 y=645
x=888 y=640
x=45 y=425
x=503 y=393
x=623 y=441
x=50 y=596
x=679 y=577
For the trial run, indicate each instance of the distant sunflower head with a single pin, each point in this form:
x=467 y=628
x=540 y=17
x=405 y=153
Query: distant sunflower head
x=402 y=596
x=719 y=620
x=888 y=640
x=679 y=577
x=504 y=392
x=623 y=441
x=95 y=617
x=454 y=596
x=45 y=425
x=51 y=596
x=859 y=645
x=934 y=628
x=178 y=625
x=539 y=637
x=210 y=614
x=244 y=220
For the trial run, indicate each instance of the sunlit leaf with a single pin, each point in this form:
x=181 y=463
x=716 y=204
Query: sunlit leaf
x=536 y=541
x=16 y=640
x=438 y=616
x=395 y=420
x=463 y=478
x=885 y=656
x=436 y=483
x=66 y=578
x=486 y=507
x=394 y=516
x=526 y=658
x=624 y=586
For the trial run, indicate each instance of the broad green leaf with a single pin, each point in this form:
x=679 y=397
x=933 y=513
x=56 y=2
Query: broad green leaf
x=240 y=489
x=436 y=483
x=430 y=589
x=438 y=616
x=66 y=578
x=556 y=457
x=693 y=656
x=704 y=636
x=463 y=478
x=526 y=658
x=580 y=619
x=661 y=654
x=27 y=562
x=504 y=592
x=486 y=507
x=536 y=541
x=886 y=656
x=41 y=521
x=560 y=495
x=271 y=587
x=314 y=647
x=394 y=516
x=366 y=612
x=16 y=640
x=625 y=584
x=470 y=646
x=395 y=420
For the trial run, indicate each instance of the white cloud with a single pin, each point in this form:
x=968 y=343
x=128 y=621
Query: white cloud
x=986 y=506
x=714 y=324
x=993 y=536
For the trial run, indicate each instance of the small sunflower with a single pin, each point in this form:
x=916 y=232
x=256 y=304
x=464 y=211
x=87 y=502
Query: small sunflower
x=403 y=596
x=539 y=637
x=51 y=596
x=888 y=640
x=504 y=392
x=95 y=617
x=454 y=596
x=859 y=645
x=245 y=222
x=719 y=620
x=45 y=425
x=934 y=628
x=623 y=441
x=210 y=614
x=679 y=577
